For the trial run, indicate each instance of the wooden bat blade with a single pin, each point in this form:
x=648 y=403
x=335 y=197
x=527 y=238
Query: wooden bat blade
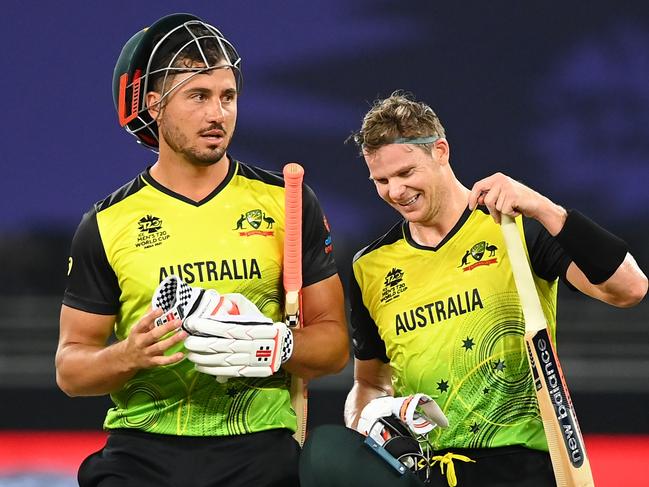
x=565 y=441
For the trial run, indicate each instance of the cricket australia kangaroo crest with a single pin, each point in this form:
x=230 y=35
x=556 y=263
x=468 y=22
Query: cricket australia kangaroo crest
x=250 y=223
x=473 y=257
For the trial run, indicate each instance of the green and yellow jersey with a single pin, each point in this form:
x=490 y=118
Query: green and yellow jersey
x=449 y=321
x=231 y=241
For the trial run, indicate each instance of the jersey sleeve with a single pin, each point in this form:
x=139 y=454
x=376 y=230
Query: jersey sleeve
x=92 y=284
x=548 y=258
x=367 y=343
x=317 y=249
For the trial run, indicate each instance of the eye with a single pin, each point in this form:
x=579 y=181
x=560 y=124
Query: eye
x=229 y=97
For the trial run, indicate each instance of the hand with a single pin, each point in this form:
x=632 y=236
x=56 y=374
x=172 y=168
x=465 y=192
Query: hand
x=228 y=335
x=501 y=194
x=175 y=298
x=147 y=343
x=418 y=412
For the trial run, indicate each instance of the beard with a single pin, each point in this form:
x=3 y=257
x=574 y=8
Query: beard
x=180 y=144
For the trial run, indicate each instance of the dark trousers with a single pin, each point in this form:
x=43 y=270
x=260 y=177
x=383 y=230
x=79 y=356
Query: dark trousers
x=335 y=456
x=496 y=467
x=133 y=458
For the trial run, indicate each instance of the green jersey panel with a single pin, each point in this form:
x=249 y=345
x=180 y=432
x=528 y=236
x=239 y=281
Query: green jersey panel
x=452 y=325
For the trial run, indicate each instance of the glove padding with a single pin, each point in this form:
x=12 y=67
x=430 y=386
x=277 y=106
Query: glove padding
x=228 y=335
x=419 y=412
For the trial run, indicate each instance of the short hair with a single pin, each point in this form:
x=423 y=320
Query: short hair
x=179 y=52
x=395 y=117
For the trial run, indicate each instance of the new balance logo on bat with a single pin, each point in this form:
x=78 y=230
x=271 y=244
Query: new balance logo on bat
x=560 y=399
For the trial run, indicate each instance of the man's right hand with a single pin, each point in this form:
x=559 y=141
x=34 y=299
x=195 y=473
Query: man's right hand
x=419 y=412
x=147 y=344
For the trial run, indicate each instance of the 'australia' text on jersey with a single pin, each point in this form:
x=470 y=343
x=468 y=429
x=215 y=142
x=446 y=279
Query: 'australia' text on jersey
x=212 y=270
x=436 y=311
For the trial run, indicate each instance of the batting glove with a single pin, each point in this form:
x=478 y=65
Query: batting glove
x=176 y=298
x=228 y=335
x=419 y=412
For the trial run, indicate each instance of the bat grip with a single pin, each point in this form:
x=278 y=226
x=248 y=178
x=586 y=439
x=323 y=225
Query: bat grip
x=292 y=273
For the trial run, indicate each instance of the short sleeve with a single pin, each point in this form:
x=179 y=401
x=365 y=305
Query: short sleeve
x=91 y=284
x=367 y=343
x=317 y=247
x=549 y=260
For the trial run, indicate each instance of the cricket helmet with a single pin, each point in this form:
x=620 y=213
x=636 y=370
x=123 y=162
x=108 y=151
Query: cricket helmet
x=155 y=54
x=334 y=455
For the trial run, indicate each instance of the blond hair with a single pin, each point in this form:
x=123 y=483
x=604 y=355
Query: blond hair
x=398 y=116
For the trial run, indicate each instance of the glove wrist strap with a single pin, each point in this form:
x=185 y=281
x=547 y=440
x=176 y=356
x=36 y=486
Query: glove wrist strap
x=287 y=345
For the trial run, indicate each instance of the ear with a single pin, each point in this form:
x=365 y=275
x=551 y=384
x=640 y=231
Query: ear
x=441 y=151
x=153 y=104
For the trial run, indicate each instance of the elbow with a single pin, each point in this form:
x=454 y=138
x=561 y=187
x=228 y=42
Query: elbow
x=335 y=362
x=65 y=385
x=341 y=362
x=634 y=293
x=342 y=356
x=64 y=377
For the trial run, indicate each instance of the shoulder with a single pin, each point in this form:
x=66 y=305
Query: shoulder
x=272 y=178
x=128 y=189
x=255 y=173
x=393 y=235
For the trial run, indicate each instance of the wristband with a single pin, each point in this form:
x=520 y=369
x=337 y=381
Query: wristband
x=287 y=346
x=597 y=252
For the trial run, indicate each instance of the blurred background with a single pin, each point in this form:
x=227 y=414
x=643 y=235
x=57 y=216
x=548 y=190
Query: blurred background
x=554 y=94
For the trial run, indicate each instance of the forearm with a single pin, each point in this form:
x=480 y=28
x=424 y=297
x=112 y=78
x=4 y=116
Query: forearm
x=319 y=349
x=88 y=370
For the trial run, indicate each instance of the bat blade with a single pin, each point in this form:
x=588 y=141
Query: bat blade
x=565 y=441
x=292 y=279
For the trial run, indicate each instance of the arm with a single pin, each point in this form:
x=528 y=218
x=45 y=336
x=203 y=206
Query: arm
x=86 y=366
x=625 y=288
x=322 y=345
x=627 y=284
x=372 y=379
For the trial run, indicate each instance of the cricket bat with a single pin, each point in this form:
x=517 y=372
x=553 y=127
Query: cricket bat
x=292 y=278
x=565 y=442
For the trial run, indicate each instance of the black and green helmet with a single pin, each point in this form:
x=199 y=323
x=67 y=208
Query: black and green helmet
x=155 y=54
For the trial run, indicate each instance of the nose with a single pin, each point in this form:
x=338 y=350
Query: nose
x=395 y=189
x=215 y=112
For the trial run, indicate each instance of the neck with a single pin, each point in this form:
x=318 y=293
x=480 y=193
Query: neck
x=190 y=180
x=453 y=205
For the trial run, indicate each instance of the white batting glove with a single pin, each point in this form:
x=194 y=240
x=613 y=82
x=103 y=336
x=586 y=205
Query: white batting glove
x=176 y=298
x=419 y=412
x=230 y=337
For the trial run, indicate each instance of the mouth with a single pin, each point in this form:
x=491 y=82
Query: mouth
x=214 y=135
x=409 y=202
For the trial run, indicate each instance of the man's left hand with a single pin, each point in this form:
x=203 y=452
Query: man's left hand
x=234 y=339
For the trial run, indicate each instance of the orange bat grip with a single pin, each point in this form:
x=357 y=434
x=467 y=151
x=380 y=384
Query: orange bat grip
x=293 y=175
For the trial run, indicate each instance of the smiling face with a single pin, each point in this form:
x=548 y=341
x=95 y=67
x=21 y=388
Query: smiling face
x=412 y=180
x=197 y=119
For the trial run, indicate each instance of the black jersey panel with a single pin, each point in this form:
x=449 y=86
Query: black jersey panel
x=548 y=258
x=92 y=285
